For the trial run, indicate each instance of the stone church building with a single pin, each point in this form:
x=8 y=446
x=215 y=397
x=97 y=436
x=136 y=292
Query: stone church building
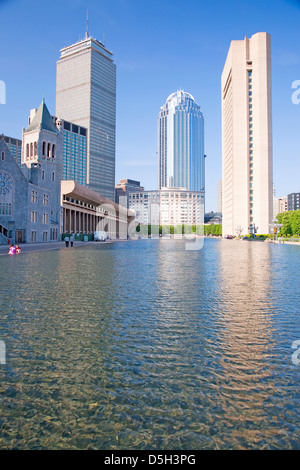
x=30 y=199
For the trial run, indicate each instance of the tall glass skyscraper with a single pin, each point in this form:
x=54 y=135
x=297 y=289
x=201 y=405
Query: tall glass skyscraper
x=86 y=96
x=181 y=143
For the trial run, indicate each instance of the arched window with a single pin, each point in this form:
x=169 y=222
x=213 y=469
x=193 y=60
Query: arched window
x=53 y=151
x=49 y=150
x=44 y=149
x=35 y=148
x=27 y=151
x=31 y=150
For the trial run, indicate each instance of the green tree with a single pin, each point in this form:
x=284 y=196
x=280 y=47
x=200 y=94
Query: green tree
x=295 y=222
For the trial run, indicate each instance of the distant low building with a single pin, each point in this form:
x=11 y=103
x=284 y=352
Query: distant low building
x=280 y=204
x=123 y=189
x=213 y=218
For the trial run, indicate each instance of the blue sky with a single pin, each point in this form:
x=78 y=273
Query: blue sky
x=159 y=46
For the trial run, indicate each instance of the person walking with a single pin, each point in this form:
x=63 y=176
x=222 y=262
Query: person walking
x=67 y=241
x=72 y=239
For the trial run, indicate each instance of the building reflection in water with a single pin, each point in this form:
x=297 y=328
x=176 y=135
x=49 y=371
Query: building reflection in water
x=246 y=337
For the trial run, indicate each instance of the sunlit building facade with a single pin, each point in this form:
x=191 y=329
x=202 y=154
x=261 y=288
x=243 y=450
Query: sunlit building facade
x=168 y=206
x=247 y=168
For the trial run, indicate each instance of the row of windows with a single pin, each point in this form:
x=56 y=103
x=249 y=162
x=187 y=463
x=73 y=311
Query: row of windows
x=53 y=235
x=48 y=150
x=68 y=127
x=31 y=150
x=250 y=146
x=52 y=175
x=5 y=208
x=34 y=215
x=164 y=195
x=34 y=197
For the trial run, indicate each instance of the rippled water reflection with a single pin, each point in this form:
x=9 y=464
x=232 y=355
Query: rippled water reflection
x=144 y=345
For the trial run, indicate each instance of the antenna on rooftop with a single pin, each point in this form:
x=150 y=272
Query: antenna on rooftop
x=87 y=25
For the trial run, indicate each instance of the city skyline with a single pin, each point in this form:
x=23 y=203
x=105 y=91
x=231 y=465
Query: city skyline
x=147 y=72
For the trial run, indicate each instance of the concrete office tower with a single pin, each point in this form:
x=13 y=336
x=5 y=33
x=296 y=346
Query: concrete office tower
x=86 y=96
x=219 y=196
x=247 y=168
x=181 y=143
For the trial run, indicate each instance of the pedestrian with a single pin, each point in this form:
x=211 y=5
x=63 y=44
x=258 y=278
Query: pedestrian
x=72 y=238
x=67 y=241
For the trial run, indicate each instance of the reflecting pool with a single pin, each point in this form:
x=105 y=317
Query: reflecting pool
x=145 y=345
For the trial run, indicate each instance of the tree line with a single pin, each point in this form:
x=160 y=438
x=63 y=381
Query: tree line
x=214 y=229
x=290 y=222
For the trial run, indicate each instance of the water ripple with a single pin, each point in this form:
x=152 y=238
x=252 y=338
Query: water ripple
x=147 y=346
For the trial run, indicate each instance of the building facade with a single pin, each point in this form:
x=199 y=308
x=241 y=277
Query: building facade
x=123 y=189
x=74 y=150
x=86 y=211
x=15 y=146
x=219 y=196
x=247 y=168
x=293 y=201
x=169 y=206
x=280 y=204
x=181 y=143
x=86 y=96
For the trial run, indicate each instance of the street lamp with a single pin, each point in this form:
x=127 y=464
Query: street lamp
x=275 y=225
x=252 y=230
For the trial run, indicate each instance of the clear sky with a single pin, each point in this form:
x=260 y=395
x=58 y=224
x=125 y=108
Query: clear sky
x=159 y=46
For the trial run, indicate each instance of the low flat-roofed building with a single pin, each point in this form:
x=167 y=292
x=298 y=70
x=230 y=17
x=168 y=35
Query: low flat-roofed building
x=86 y=211
x=123 y=189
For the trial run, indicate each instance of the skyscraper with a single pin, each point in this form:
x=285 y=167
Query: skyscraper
x=86 y=96
x=247 y=169
x=181 y=143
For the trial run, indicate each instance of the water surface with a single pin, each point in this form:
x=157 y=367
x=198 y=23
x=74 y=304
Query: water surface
x=144 y=345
